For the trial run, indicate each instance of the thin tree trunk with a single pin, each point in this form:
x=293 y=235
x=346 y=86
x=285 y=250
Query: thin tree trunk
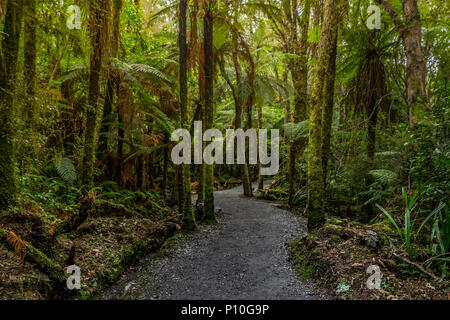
x=165 y=166
x=8 y=70
x=260 y=177
x=188 y=222
x=327 y=115
x=98 y=10
x=208 y=211
x=30 y=31
x=299 y=73
x=195 y=43
x=246 y=183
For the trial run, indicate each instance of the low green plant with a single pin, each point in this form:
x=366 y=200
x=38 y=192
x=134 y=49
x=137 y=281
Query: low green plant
x=440 y=238
x=407 y=233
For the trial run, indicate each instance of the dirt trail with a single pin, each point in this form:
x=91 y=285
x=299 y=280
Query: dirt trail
x=244 y=257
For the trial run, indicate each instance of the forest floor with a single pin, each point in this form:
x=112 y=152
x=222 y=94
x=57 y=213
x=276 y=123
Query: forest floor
x=244 y=256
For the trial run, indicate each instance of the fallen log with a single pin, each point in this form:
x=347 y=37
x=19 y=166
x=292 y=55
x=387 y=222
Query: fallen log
x=39 y=260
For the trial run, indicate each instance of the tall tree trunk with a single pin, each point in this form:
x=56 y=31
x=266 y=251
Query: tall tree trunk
x=188 y=222
x=260 y=177
x=411 y=34
x=165 y=165
x=108 y=116
x=8 y=70
x=198 y=45
x=249 y=123
x=208 y=211
x=98 y=11
x=30 y=30
x=332 y=12
x=327 y=114
x=246 y=183
x=299 y=73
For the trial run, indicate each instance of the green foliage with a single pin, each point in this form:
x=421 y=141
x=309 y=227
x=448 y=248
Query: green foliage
x=407 y=234
x=439 y=236
x=296 y=131
x=383 y=176
x=66 y=170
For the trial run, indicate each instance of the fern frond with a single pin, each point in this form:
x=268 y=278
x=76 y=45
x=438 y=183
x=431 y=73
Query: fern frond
x=383 y=176
x=19 y=246
x=66 y=170
x=79 y=71
x=295 y=131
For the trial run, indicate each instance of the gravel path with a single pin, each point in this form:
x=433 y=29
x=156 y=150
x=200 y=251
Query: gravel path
x=244 y=257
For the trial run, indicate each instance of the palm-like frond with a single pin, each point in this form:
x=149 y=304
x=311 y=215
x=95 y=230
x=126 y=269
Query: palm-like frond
x=80 y=71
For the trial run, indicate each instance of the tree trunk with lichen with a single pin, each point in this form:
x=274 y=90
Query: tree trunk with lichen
x=327 y=114
x=249 y=124
x=188 y=222
x=8 y=71
x=98 y=12
x=197 y=46
x=299 y=74
x=246 y=184
x=30 y=31
x=260 y=177
x=208 y=211
x=332 y=13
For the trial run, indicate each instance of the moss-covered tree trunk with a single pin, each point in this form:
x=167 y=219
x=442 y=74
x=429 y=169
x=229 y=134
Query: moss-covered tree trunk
x=30 y=39
x=8 y=71
x=39 y=260
x=208 y=211
x=299 y=74
x=108 y=117
x=327 y=114
x=198 y=45
x=260 y=177
x=98 y=12
x=249 y=122
x=332 y=13
x=246 y=183
x=188 y=222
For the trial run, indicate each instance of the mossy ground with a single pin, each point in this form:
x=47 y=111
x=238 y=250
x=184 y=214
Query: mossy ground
x=104 y=248
x=337 y=256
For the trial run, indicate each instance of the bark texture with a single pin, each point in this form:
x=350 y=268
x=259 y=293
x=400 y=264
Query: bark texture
x=8 y=71
x=98 y=12
x=208 y=211
x=188 y=222
x=410 y=31
x=332 y=14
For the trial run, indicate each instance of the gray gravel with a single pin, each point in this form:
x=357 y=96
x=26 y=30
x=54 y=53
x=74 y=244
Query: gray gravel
x=243 y=257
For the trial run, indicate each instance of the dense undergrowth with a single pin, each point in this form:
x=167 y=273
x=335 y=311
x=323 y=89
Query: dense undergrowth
x=109 y=230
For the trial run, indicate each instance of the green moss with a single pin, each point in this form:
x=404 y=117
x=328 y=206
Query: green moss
x=335 y=238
